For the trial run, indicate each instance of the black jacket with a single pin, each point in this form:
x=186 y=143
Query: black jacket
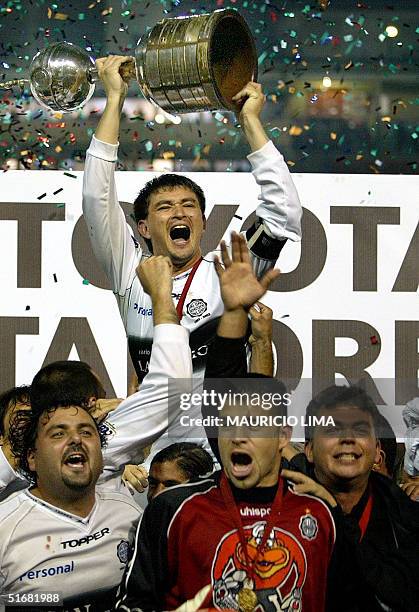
x=380 y=572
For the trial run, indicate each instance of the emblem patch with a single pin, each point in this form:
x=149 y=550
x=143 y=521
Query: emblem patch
x=196 y=308
x=308 y=527
x=122 y=551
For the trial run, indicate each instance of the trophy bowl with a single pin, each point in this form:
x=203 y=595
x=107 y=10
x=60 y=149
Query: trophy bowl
x=198 y=62
x=60 y=77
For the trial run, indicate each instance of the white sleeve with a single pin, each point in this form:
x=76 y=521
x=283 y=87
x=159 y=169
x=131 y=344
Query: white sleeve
x=279 y=207
x=7 y=473
x=144 y=416
x=110 y=235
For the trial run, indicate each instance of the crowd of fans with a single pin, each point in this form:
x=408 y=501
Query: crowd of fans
x=236 y=516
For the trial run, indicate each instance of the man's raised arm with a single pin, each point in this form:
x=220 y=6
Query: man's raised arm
x=109 y=233
x=279 y=211
x=144 y=416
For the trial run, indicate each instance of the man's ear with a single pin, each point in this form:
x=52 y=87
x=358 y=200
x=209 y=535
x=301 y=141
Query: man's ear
x=308 y=449
x=204 y=221
x=380 y=465
x=143 y=230
x=285 y=434
x=31 y=460
x=377 y=458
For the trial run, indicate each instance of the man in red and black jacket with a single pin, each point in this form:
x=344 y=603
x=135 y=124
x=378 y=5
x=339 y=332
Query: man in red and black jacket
x=259 y=541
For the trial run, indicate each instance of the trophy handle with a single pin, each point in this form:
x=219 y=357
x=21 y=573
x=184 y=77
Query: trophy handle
x=127 y=71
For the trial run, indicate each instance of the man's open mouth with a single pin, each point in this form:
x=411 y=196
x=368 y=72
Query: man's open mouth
x=180 y=234
x=75 y=460
x=241 y=464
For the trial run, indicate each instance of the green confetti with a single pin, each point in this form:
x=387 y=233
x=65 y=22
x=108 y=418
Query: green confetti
x=86 y=282
x=262 y=57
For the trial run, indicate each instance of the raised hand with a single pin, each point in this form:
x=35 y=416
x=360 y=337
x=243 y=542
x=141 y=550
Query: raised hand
x=155 y=274
x=251 y=100
x=240 y=288
x=108 y=69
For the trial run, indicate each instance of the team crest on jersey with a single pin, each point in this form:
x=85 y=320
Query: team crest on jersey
x=107 y=429
x=279 y=572
x=196 y=308
x=308 y=526
x=122 y=551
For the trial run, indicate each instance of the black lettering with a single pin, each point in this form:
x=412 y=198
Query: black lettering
x=73 y=331
x=365 y=221
x=289 y=355
x=408 y=276
x=406 y=361
x=326 y=364
x=10 y=327
x=29 y=217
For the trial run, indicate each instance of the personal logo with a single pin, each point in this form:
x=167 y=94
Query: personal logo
x=196 y=308
x=308 y=526
x=122 y=551
x=279 y=575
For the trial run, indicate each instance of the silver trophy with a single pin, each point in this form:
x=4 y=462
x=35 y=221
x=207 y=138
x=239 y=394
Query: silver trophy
x=183 y=64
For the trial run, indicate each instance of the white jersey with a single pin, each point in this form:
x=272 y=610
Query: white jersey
x=119 y=253
x=45 y=549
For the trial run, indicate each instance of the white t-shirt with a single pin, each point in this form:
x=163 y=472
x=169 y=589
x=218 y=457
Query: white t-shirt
x=45 y=549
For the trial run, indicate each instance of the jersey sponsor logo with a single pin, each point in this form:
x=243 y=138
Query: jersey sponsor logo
x=143 y=312
x=122 y=550
x=279 y=573
x=196 y=308
x=308 y=526
x=259 y=512
x=48 y=571
x=86 y=539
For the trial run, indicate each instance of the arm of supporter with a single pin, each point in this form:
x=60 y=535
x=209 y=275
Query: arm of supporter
x=279 y=211
x=145 y=578
x=110 y=235
x=145 y=415
x=260 y=340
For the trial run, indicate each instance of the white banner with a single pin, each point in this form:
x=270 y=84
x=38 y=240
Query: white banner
x=346 y=301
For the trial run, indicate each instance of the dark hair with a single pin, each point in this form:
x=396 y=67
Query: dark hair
x=8 y=401
x=192 y=459
x=339 y=395
x=64 y=383
x=388 y=442
x=164 y=181
x=24 y=431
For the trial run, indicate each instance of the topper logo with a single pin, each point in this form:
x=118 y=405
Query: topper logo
x=87 y=539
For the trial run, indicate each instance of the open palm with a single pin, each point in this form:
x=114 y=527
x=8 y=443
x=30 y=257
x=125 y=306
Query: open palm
x=238 y=284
